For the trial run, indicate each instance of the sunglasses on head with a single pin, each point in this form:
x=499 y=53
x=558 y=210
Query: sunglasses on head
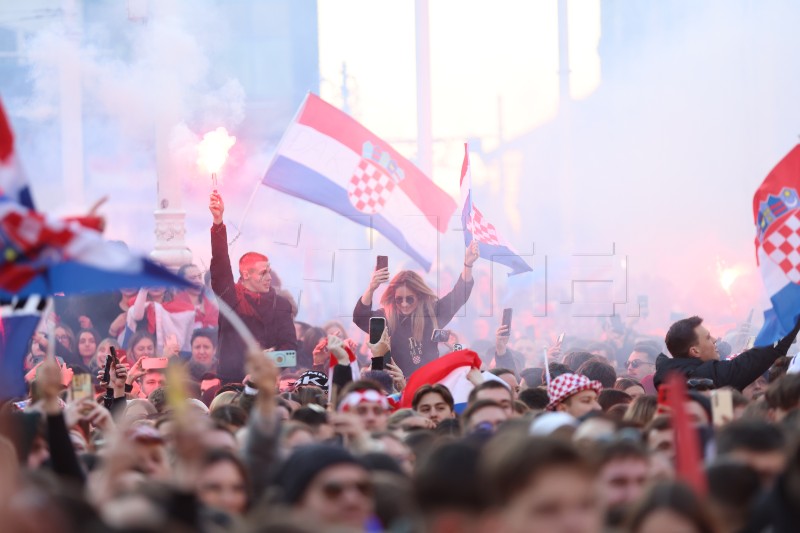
x=636 y=363
x=398 y=300
x=333 y=490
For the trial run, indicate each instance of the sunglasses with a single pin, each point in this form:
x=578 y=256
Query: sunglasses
x=398 y=300
x=334 y=490
x=636 y=363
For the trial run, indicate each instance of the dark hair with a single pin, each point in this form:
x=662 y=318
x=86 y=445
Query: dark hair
x=311 y=417
x=532 y=377
x=784 y=393
x=91 y=331
x=676 y=497
x=224 y=456
x=574 y=360
x=382 y=377
x=627 y=383
x=556 y=369
x=137 y=337
x=647 y=347
x=599 y=371
x=535 y=398
x=750 y=435
x=488 y=385
x=500 y=371
x=608 y=398
x=605 y=452
x=210 y=333
x=439 y=389
x=448 y=478
x=474 y=407
x=305 y=348
x=510 y=464
x=681 y=336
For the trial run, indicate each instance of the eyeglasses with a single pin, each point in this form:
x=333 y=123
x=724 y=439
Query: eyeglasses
x=398 y=300
x=333 y=490
x=636 y=363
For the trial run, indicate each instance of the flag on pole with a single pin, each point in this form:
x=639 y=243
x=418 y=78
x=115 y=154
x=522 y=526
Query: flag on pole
x=12 y=180
x=776 y=211
x=327 y=158
x=491 y=245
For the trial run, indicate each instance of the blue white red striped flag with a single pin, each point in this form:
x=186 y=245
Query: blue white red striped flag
x=449 y=370
x=491 y=245
x=327 y=158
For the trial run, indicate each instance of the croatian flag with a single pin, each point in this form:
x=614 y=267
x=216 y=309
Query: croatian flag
x=491 y=245
x=776 y=211
x=12 y=180
x=327 y=158
x=449 y=370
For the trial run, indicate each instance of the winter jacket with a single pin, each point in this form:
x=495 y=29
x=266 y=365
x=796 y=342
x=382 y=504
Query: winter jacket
x=445 y=309
x=271 y=324
x=738 y=372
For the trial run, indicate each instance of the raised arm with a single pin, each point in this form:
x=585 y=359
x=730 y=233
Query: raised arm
x=222 y=281
x=363 y=309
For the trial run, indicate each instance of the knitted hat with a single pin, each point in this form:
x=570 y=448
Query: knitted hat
x=296 y=474
x=566 y=385
x=314 y=379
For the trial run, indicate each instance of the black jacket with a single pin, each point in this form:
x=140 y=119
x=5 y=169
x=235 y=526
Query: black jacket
x=737 y=373
x=445 y=309
x=272 y=324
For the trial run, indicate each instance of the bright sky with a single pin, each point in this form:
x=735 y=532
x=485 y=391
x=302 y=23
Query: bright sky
x=486 y=56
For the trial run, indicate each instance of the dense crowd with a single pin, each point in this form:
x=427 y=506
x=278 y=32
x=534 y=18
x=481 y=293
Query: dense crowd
x=157 y=415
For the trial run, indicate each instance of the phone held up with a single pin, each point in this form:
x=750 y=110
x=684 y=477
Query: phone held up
x=283 y=358
x=440 y=335
x=507 y=313
x=377 y=325
x=382 y=262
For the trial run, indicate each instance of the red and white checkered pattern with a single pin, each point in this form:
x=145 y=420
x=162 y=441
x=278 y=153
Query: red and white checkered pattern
x=481 y=230
x=566 y=385
x=782 y=245
x=357 y=397
x=369 y=188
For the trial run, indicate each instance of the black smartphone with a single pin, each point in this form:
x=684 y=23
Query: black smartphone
x=107 y=368
x=376 y=326
x=382 y=262
x=507 y=313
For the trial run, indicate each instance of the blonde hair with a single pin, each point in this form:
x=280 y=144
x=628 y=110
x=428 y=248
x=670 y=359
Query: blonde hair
x=425 y=295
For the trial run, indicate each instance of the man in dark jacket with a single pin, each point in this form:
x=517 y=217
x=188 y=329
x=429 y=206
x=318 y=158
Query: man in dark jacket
x=267 y=315
x=694 y=354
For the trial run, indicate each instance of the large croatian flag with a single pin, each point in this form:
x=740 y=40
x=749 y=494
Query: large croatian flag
x=12 y=180
x=449 y=370
x=491 y=245
x=327 y=158
x=776 y=209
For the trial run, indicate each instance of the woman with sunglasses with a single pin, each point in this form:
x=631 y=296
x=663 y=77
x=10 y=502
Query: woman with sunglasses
x=413 y=311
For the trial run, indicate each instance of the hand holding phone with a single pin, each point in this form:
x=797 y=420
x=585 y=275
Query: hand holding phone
x=722 y=406
x=440 y=335
x=507 y=314
x=382 y=262
x=377 y=325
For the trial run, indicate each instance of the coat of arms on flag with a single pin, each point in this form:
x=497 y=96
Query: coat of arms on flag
x=371 y=185
x=781 y=234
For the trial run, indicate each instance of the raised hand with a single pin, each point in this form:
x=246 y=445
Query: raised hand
x=398 y=378
x=217 y=207
x=501 y=340
x=379 y=277
x=336 y=347
x=380 y=348
x=472 y=254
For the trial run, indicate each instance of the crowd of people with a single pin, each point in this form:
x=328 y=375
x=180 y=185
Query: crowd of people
x=188 y=426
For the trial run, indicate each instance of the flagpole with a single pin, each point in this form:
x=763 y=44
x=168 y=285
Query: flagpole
x=271 y=162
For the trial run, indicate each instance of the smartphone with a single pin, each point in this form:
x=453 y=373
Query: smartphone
x=283 y=358
x=561 y=336
x=457 y=347
x=382 y=262
x=507 y=313
x=107 y=368
x=440 y=335
x=81 y=387
x=721 y=406
x=155 y=363
x=376 y=326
